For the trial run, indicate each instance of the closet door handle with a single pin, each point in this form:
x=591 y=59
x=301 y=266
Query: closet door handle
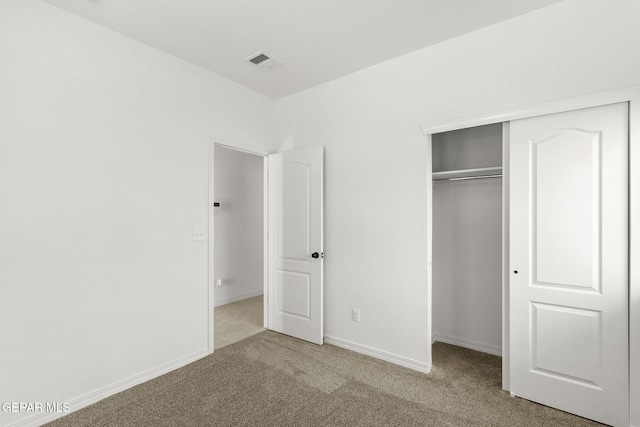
x=315 y=255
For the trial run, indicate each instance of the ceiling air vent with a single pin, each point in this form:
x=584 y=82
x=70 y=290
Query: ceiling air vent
x=263 y=61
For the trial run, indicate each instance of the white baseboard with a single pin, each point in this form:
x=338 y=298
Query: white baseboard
x=102 y=393
x=229 y=300
x=379 y=354
x=473 y=345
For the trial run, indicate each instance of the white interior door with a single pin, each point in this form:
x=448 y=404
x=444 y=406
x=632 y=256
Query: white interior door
x=295 y=243
x=569 y=262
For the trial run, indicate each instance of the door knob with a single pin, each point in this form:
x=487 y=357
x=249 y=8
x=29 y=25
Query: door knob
x=315 y=255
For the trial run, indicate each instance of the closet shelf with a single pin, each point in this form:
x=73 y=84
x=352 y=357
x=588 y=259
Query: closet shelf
x=492 y=172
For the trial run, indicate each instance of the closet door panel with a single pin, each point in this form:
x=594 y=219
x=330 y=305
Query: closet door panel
x=569 y=261
x=557 y=196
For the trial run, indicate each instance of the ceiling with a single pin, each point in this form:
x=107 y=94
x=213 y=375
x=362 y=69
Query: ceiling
x=317 y=40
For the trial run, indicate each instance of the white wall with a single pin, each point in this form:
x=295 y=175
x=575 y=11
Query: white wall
x=239 y=238
x=103 y=178
x=467 y=264
x=375 y=171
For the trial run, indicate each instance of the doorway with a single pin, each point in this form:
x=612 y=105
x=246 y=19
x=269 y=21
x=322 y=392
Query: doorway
x=238 y=265
x=467 y=238
x=292 y=260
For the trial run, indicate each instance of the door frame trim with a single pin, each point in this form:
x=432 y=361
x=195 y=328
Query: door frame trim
x=237 y=146
x=634 y=253
x=559 y=106
x=630 y=95
x=210 y=247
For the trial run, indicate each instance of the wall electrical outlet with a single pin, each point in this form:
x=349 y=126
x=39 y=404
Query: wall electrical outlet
x=199 y=235
x=218 y=282
x=355 y=314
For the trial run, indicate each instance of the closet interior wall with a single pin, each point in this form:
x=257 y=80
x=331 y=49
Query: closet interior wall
x=467 y=238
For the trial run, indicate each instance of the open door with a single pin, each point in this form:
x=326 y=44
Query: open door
x=295 y=244
x=569 y=262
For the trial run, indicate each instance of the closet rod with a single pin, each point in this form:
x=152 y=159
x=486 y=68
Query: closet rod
x=464 y=178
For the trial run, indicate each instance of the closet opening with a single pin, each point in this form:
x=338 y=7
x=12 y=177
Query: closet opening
x=468 y=236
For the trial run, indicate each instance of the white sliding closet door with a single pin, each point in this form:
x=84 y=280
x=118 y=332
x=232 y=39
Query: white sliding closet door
x=569 y=262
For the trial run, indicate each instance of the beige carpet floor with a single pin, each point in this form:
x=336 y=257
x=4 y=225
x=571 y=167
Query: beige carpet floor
x=237 y=321
x=270 y=379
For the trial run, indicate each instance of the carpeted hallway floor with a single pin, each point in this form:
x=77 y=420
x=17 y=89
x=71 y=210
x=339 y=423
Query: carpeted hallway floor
x=237 y=321
x=273 y=380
